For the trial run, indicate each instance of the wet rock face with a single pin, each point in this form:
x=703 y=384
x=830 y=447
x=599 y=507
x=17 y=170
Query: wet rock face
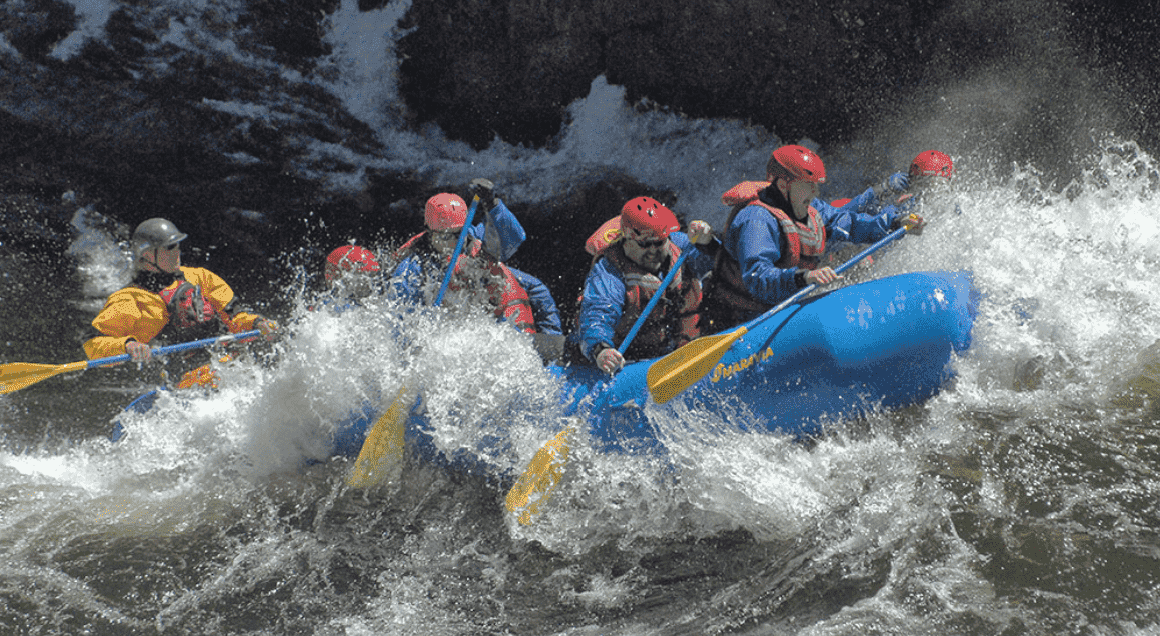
x=183 y=112
x=822 y=70
x=480 y=69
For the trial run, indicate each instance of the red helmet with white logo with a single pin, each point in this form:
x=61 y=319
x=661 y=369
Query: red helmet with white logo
x=794 y=162
x=351 y=258
x=932 y=163
x=645 y=216
x=444 y=212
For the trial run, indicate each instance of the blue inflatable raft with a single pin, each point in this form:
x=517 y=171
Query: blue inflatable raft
x=883 y=344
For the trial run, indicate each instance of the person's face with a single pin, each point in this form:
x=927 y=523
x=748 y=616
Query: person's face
x=800 y=193
x=165 y=259
x=647 y=251
x=444 y=242
x=934 y=195
x=930 y=185
x=352 y=284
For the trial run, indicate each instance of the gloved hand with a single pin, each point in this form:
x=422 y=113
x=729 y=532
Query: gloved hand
x=485 y=190
x=266 y=326
x=609 y=360
x=913 y=224
x=700 y=233
x=650 y=283
x=899 y=181
x=821 y=277
x=138 y=351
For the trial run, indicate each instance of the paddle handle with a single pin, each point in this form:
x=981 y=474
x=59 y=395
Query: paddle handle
x=801 y=293
x=458 y=250
x=184 y=346
x=654 y=300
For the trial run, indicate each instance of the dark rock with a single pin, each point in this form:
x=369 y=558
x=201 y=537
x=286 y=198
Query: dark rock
x=144 y=127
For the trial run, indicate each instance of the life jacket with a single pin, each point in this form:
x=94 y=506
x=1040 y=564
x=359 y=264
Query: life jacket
x=192 y=317
x=604 y=237
x=675 y=321
x=475 y=270
x=805 y=243
x=187 y=306
x=190 y=313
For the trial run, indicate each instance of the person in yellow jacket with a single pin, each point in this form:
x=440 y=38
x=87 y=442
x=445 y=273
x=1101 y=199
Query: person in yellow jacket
x=167 y=303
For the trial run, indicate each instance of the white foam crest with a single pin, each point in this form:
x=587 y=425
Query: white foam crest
x=362 y=68
x=1067 y=276
x=93 y=14
x=610 y=496
x=479 y=381
x=101 y=263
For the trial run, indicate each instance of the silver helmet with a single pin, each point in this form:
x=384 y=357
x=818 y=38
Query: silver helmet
x=154 y=234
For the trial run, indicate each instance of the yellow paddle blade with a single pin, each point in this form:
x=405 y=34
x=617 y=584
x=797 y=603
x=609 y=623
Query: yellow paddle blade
x=381 y=456
x=17 y=375
x=678 y=371
x=540 y=478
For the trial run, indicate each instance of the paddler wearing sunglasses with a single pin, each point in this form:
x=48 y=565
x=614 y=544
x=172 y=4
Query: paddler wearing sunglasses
x=634 y=253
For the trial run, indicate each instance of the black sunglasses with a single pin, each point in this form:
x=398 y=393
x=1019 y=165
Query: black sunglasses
x=648 y=245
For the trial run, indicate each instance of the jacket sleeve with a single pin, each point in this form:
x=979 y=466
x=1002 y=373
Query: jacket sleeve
x=120 y=321
x=862 y=220
x=406 y=282
x=501 y=233
x=754 y=239
x=544 y=309
x=602 y=307
x=868 y=228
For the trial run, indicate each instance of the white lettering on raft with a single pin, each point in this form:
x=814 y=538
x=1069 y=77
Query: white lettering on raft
x=722 y=371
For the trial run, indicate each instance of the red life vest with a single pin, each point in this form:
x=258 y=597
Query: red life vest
x=805 y=243
x=675 y=321
x=187 y=307
x=504 y=293
x=192 y=316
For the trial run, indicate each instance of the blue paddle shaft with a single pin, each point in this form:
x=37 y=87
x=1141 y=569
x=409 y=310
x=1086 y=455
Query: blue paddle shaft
x=458 y=249
x=185 y=346
x=653 y=301
x=837 y=270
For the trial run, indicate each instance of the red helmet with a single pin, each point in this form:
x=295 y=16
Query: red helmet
x=799 y=162
x=351 y=258
x=645 y=216
x=932 y=163
x=837 y=203
x=445 y=212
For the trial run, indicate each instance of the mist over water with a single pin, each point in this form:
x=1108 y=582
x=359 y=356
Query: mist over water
x=1021 y=499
